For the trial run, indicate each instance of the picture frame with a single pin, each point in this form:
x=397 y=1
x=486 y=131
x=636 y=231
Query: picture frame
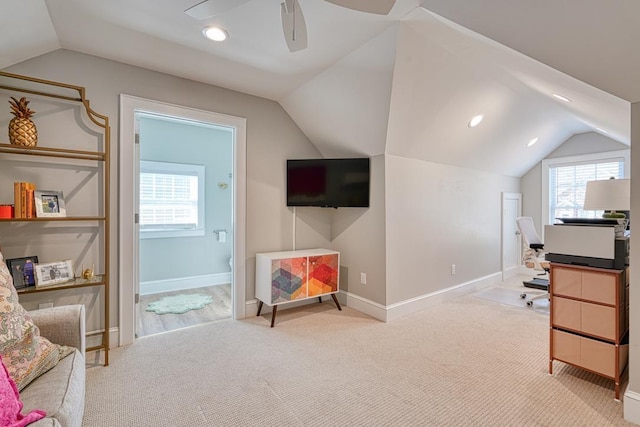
x=49 y=204
x=23 y=271
x=54 y=273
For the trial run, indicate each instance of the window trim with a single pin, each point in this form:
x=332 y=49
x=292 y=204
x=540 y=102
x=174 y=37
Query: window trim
x=197 y=170
x=571 y=160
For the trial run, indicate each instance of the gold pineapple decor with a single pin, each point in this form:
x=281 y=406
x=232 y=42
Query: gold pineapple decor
x=22 y=131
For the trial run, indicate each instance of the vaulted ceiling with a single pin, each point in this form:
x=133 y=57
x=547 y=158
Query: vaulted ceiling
x=405 y=84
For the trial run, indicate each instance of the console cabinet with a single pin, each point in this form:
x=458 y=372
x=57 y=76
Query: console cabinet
x=589 y=319
x=284 y=277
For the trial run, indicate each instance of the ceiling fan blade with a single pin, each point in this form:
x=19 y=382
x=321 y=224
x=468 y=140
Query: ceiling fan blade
x=210 y=8
x=380 y=7
x=293 y=25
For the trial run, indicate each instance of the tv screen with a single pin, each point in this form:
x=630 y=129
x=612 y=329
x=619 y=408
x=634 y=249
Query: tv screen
x=330 y=183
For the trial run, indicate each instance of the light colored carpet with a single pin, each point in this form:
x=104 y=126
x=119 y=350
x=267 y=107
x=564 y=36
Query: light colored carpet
x=178 y=304
x=466 y=362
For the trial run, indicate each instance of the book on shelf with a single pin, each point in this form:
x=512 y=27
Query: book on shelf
x=23 y=199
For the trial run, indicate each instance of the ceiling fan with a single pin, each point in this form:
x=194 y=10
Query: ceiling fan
x=293 y=23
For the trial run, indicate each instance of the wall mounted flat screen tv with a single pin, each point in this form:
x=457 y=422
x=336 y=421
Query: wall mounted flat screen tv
x=331 y=183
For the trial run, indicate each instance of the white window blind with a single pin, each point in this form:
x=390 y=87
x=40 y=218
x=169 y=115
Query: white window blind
x=171 y=199
x=567 y=184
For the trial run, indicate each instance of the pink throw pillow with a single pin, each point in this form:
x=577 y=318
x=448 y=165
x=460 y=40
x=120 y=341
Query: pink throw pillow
x=10 y=404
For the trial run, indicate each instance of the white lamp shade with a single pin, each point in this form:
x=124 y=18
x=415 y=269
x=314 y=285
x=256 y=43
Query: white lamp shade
x=608 y=194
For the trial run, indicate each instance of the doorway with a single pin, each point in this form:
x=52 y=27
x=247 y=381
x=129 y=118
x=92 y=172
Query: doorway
x=511 y=242
x=184 y=199
x=220 y=239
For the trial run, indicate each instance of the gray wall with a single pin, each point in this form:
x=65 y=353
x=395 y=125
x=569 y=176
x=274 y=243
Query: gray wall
x=176 y=257
x=439 y=215
x=359 y=234
x=272 y=137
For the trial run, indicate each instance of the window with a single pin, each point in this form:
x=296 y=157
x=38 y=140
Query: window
x=171 y=200
x=566 y=181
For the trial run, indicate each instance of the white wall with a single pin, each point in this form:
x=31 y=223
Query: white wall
x=439 y=215
x=632 y=395
x=271 y=138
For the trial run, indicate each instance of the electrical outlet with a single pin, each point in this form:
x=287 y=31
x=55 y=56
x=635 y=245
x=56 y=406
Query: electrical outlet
x=363 y=278
x=453 y=269
x=45 y=305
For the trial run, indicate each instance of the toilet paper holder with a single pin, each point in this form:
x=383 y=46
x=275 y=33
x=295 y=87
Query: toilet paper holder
x=221 y=235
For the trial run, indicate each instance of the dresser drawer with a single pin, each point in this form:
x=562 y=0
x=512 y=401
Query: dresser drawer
x=584 y=317
x=599 y=287
x=567 y=282
x=594 y=355
x=593 y=286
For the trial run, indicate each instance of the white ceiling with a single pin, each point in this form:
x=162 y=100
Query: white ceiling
x=405 y=84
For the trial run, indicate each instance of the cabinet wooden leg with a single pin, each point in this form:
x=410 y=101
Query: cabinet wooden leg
x=320 y=300
x=259 y=307
x=273 y=315
x=336 y=301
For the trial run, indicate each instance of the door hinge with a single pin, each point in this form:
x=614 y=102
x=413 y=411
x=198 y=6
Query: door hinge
x=137 y=298
x=137 y=139
x=136 y=218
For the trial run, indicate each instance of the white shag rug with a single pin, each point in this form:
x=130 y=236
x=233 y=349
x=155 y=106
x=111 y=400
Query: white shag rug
x=178 y=304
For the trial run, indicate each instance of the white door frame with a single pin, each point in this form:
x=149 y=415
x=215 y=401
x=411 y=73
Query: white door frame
x=127 y=247
x=506 y=234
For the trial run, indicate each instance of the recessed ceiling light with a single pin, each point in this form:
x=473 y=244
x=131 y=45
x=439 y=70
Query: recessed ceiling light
x=533 y=141
x=475 y=121
x=561 y=97
x=216 y=34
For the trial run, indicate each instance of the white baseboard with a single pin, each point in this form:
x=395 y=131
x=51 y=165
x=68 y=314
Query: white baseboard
x=631 y=406
x=168 y=285
x=93 y=339
x=366 y=306
x=413 y=305
x=394 y=311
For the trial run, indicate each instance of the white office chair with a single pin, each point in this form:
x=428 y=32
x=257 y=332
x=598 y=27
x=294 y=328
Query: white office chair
x=533 y=256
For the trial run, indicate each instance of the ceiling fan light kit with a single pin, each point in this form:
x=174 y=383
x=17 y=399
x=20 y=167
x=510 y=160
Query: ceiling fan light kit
x=293 y=23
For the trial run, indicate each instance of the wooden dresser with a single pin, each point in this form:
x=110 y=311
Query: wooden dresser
x=589 y=320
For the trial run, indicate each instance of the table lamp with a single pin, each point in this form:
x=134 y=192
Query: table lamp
x=609 y=195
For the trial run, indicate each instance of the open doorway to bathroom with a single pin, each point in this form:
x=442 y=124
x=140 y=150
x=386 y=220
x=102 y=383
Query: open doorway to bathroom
x=128 y=251
x=185 y=220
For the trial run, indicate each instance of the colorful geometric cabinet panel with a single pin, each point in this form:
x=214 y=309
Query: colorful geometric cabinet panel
x=287 y=276
x=323 y=274
x=288 y=279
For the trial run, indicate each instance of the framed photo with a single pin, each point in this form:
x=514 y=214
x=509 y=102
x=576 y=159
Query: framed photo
x=54 y=273
x=23 y=271
x=49 y=203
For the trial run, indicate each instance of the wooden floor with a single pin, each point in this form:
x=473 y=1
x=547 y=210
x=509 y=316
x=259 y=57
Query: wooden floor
x=151 y=323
